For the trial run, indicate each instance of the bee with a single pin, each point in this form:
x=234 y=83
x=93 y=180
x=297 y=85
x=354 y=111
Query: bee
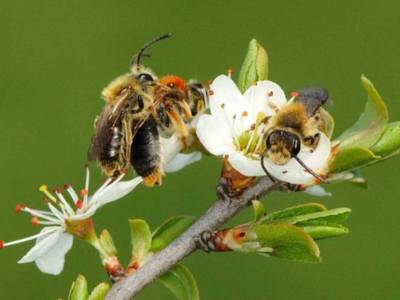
x=139 y=108
x=296 y=124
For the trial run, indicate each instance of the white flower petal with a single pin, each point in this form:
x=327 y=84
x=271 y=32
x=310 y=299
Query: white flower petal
x=181 y=160
x=115 y=192
x=264 y=97
x=245 y=165
x=225 y=93
x=317 y=190
x=214 y=135
x=293 y=172
x=52 y=262
x=170 y=147
x=43 y=244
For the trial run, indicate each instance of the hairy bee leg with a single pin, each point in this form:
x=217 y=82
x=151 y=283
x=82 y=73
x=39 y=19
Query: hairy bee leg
x=180 y=126
x=206 y=241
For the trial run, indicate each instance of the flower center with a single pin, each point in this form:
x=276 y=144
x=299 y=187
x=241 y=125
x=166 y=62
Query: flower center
x=251 y=141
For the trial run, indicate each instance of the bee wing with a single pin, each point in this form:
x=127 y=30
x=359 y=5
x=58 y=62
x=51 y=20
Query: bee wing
x=102 y=133
x=110 y=117
x=312 y=99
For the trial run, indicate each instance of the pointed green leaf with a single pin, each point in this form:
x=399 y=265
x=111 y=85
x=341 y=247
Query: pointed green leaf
x=140 y=238
x=107 y=243
x=99 y=292
x=389 y=143
x=369 y=127
x=350 y=158
x=320 y=229
x=180 y=281
x=255 y=66
x=287 y=241
x=79 y=289
x=169 y=231
x=294 y=211
x=336 y=215
x=259 y=210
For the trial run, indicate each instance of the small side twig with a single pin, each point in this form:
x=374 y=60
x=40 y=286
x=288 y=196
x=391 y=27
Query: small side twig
x=217 y=215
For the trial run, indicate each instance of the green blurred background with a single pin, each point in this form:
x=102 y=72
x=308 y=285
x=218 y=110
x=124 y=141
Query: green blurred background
x=56 y=56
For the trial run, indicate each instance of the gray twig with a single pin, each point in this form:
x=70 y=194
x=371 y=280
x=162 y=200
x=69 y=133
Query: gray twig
x=217 y=215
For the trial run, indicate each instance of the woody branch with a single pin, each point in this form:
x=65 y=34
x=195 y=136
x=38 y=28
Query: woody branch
x=217 y=215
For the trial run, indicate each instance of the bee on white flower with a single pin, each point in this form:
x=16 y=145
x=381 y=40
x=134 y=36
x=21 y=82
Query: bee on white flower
x=66 y=218
x=261 y=132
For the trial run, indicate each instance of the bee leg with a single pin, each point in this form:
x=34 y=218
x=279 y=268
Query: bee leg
x=180 y=126
x=206 y=241
x=223 y=195
x=154 y=178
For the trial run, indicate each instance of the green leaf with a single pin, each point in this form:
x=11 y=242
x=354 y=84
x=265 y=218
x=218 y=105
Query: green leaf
x=140 y=238
x=259 y=210
x=180 y=281
x=287 y=241
x=107 y=243
x=79 y=289
x=294 y=211
x=367 y=130
x=320 y=229
x=350 y=158
x=336 y=215
x=255 y=66
x=389 y=143
x=99 y=292
x=169 y=231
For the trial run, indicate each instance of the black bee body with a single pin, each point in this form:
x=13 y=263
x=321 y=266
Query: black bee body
x=146 y=149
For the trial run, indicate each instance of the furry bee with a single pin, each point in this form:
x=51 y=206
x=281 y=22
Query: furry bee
x=296 y=124
x=139 y=108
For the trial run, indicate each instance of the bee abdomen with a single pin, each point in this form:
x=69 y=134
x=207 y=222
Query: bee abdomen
x=146 y=149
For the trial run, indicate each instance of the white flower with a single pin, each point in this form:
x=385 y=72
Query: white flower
x=236 y=129
x=56 y=238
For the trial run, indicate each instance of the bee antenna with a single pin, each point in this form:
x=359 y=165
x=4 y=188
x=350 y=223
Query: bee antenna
x=310 y=171
x=136 y=58
x=265 y=169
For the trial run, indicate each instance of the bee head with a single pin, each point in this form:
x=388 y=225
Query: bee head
x=282 y=145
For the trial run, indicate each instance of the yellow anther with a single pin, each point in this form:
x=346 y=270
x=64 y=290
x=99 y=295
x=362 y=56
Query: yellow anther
x=43 y=188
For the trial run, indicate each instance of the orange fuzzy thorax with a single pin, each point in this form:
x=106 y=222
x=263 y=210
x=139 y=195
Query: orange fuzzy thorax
x=174 y=81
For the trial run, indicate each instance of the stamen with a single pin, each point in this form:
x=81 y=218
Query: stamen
x=41 y=214
x=35 y=221
x=294 y=94
x=86 y=195
x=79 y=204
x=230 y=72
x=44 y=190
x=29 y=238
x=19 y=207
x=56 y=212
x=64 y=202
x=72 y=193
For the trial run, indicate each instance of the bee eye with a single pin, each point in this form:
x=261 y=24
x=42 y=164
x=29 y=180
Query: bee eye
x=171 y=85
x=143 y=77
